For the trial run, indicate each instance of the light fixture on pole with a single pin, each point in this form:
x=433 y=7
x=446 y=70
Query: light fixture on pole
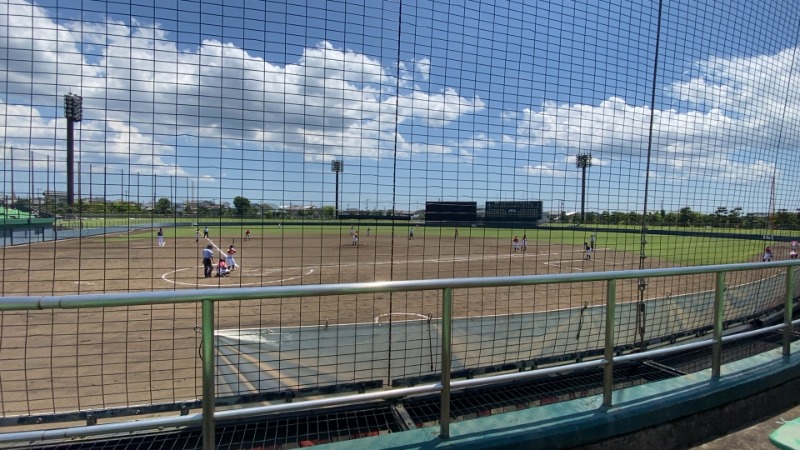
x=73 y=111
x=583 y=161
x=337 y=167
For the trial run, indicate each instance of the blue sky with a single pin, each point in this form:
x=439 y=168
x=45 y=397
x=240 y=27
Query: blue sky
x=455 y=100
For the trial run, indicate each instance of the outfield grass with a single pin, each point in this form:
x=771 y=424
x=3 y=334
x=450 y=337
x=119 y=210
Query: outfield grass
x=682 y=250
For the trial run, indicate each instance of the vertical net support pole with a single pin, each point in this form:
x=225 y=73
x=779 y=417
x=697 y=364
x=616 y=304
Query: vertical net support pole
x=208 y=375
x=608 y=370
x=447 y=327
x=788 y=309
x=719 y=309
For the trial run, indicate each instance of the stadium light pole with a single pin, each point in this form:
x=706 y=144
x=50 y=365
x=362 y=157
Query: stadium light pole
x=47 y=191
x=583 y=161
x=73 y=111
x=337 y=167
x=12 y=177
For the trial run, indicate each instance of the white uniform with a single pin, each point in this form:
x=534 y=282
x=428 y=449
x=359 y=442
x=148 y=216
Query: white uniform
x=229 y=258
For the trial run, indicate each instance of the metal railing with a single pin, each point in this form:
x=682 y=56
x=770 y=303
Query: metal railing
x=207 y=298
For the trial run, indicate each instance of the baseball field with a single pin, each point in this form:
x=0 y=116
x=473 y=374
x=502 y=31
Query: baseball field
x=63 y=360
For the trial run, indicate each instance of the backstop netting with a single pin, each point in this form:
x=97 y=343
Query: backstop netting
x=309 y=142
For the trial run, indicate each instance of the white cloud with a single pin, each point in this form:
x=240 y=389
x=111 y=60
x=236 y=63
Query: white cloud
x=540 y=170
x=437 y=110
x=616 y=128
x=138 y=85
x=423 y=66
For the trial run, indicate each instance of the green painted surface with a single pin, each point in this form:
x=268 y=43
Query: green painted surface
x=787 y=437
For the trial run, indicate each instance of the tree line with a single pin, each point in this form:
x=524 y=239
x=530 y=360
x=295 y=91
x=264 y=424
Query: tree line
x=722 y=217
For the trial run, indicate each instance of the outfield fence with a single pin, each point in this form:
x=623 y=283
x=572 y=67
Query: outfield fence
x=218 y=366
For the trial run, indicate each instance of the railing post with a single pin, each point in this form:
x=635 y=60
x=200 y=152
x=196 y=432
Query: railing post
x=788 y=308
x=447 y=323
x=719 y=309
x=608 y=370
x=208 y=375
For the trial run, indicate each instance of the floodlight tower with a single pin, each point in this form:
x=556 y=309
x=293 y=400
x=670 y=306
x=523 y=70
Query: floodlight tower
x=583 y=161
x=73 y=111
x=337 y=167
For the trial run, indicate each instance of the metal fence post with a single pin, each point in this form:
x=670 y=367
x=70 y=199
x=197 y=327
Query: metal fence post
x=788 y=310
x=719 y=309
x=608 y=370
x=208 y=375
x=447 y=322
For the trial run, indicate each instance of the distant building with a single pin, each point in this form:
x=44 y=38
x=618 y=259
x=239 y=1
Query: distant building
x=52 y=197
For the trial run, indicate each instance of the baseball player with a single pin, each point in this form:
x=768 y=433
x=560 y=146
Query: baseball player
x=229 y=258
x=208 y=266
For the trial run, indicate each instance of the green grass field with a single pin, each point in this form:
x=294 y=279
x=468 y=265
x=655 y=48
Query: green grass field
x=682 y=250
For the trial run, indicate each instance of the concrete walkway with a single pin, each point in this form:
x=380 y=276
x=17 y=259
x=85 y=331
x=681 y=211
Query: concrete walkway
x=754 y=436
x=742 y=424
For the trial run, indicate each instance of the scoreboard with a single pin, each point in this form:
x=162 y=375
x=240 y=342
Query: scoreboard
x=527 y=212
x=451 y=212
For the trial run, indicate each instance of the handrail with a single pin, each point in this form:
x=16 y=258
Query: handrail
x=208 y=416
x=26 y=303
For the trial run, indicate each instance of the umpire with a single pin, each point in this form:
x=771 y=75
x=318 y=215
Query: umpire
x=208 y=266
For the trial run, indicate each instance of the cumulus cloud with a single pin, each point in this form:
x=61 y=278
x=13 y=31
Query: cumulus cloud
x=544 y=170
x=140 y=90
x=423 y=66
x=729 y=125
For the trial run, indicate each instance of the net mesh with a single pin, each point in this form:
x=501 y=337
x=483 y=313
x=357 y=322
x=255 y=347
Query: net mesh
x=310 y=143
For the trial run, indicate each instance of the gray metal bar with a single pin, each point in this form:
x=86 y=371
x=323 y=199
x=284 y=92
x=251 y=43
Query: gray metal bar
x=759 y=331
x=608 y=370
x=209 y=392
x=21 y=303
x=327 y=402
x=527 y=375
x=102 y=429
x=447 y=327
x=788 y=309
x=664 y=351
x=719 y=309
